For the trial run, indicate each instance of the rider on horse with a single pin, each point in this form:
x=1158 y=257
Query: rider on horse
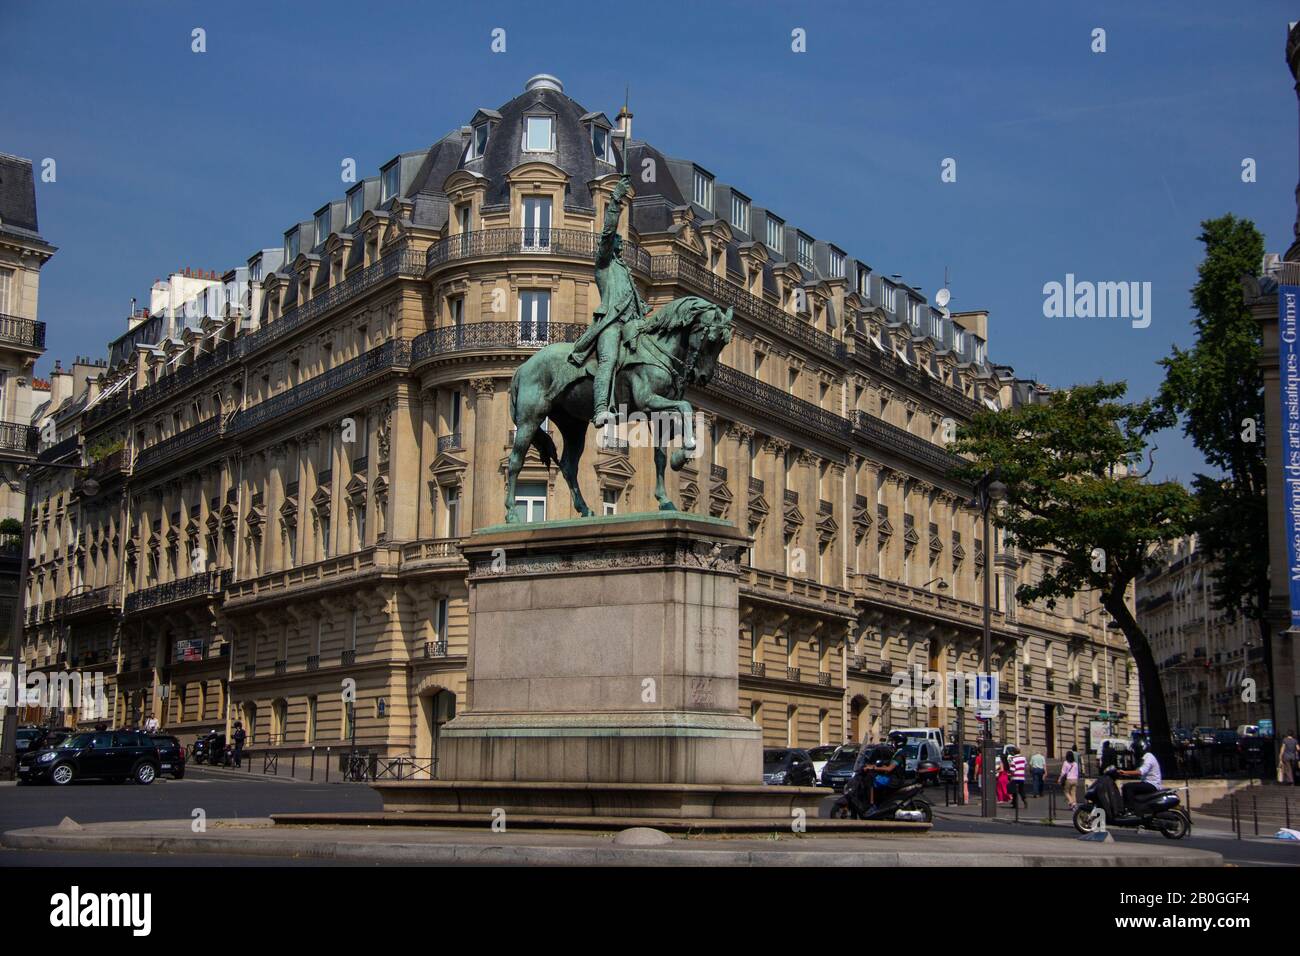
x=618 y=319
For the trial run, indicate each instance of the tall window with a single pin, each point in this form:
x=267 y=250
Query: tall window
x=322 y=226
x=478 y=140
x=805 y=251
x=888 y=297
x=610 y=501
x=539 y=134
x=356 y=204
x=291 y=246
x=390 y=182
x=6 y=293
x=440 y=620
x=739 y=212
x=463 y=221
x=775 y=234
x=457 y=308
x=534 y=315
x=837 y=264
x=453 y=512
x=537 y=223
x=601 y=143
x=863 y=281
x=704 y=190
x=530 y=501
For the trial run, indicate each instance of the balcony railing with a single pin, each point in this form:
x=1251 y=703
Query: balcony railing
x=313 y=662
x=507 y=241
x=726 y=293
x=791 y=497
x=17 y=438
x=736 y=386
x=896 y=439
x=792 y=673
x=175 y=381
x=187 y=441
x=449 y=442
x=483 y=336
x=435 y=649
x=196 y=585
x=757 y=669
x=900 y=371
x=349 y=657
x=718 y=472
x=400 y=262
x=59 y=450
x=119 y=462
x=824 y=678
x=106 y=597
x=756 y=486
x=395 y=353
x=24 y=333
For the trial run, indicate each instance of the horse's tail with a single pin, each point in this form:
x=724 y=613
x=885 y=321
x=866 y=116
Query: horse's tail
x=546 y=448
x=514 y=398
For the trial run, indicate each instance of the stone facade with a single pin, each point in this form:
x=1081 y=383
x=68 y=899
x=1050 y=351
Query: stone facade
x=283 y=485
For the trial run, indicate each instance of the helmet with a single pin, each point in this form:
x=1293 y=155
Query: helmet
x=1140 y=747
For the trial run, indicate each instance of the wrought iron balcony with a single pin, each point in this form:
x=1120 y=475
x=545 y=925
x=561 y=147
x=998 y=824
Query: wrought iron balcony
x=792 y=673
x=401 y=262
x=313 y=662
x=728 y=294
x=110 y=466
x=791 y=497
x=435 y=649
x=60 y=450
x=757 y=669
x=204 y=584
x=824 y=678
x=107 y=407
x=883 y=434
x=734 y=386
x=484 y=336
x=24 y=333
x=185 y=375
x=508 y=241
x=187 y=441
x=824 y=507
x=718 y=472
x=756 y=486
x=395 y=353
x=449 y=442
x=360 y=463
x=105 y=598
x=945 y=395
x=17 y=438
x=282 y=667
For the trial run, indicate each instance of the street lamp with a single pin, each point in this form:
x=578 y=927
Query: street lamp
x=89 y=488
x=988 y=492
x=943 y=585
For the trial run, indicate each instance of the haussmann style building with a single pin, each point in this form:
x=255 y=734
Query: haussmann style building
x=287 y=453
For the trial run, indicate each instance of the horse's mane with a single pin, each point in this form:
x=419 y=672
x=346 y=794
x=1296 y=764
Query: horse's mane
x=677 y=314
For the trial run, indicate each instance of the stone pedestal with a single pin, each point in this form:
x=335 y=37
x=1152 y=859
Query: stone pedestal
x=604 y=651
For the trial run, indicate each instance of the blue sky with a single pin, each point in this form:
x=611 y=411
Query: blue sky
x=1068 y=161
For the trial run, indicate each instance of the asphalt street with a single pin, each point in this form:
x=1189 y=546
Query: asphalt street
x=225 y=796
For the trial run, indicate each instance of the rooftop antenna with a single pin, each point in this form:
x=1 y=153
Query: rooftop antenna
x=943 y=296
x=625 y=114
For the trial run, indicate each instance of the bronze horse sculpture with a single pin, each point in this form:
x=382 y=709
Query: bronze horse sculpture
x=678 y=345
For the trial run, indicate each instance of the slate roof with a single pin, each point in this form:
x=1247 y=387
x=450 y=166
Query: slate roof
x=18 y=198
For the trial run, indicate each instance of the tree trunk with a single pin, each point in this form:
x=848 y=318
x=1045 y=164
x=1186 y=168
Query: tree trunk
x=1148 y=677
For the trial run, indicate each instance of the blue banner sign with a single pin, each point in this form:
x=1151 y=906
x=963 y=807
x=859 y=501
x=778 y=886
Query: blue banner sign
x=1289 y=368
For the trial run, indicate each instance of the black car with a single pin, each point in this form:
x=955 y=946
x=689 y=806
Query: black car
x=788 y=767
x=171 y=754
x=114 y=755
x=839 y=768
x=1254 y=751
x=33 y=738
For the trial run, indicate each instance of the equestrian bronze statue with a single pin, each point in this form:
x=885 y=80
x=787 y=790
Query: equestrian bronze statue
x=625 y=360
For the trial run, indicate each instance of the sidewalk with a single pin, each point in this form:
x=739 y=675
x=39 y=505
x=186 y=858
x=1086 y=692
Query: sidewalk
x=428 y=845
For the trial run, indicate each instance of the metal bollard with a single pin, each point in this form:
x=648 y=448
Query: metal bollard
x=293 y=765
x=1254 y=802
x=1286 y=805
x=327 y=763
x=312 y=775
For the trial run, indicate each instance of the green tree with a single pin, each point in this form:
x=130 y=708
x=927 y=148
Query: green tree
x=1216 y=390
x=1074 y=495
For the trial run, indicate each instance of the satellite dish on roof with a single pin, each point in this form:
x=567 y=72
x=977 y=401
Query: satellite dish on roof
x=941 y=298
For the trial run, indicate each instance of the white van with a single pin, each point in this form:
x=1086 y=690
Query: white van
x=933 y=734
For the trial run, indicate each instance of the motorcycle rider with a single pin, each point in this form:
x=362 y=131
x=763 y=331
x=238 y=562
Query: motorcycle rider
x=883 y=775
x=1148 y=769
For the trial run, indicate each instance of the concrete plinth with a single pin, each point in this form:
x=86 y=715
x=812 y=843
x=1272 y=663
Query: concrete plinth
x=603 y=651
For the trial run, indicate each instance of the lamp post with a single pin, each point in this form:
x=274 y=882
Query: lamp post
x=9 y=756
x=988 y=492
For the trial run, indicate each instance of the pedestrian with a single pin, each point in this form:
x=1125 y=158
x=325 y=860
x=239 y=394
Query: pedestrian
x=101 y=727
x=151 y=724
x=1004 y=775
x=1286 y=758
x=237 y=737
x=1018 y=777
x=979 y=770
x=1069 y=779
x=1038 y=767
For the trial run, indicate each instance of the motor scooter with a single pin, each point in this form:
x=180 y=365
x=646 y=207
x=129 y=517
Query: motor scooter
x=898 y=803
x=1159 y=811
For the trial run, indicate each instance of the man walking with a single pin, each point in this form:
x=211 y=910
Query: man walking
x=1038 y=766
x=1286 y=758
x=237 y=736
x=1017 y=787
x=618 y=319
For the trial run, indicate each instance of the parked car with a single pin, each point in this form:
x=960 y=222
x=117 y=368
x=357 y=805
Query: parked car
x=171 y=754
x=948 y=763
x=1254 y=751
x=34 y=738
x=904 y=734
x=840 y=767
x=111 y=755
x=922 y=762
x=787 y=767
x=820 y=756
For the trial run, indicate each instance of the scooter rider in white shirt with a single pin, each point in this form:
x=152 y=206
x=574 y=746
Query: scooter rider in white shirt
x=1148 y=770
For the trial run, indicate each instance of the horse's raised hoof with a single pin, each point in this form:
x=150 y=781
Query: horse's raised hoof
x=667 y=506
x=678 y=459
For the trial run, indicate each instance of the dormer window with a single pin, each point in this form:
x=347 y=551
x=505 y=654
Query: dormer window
x=356 y=204
x=914 y=313
x=863 y=281
x=888 y=297
x=255 y=270
x=290 y=246
x=703 y=190
x=805 y=251
x=959 y=341
x=837 y=264
x=539 y=134
x=322 y=225
x=478 y=140
x=390 y=181
x=775 y=234
x=602 y=143
x=739 y=212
